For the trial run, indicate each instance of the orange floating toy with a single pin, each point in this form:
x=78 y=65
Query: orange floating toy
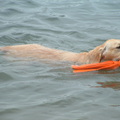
x=107 y=65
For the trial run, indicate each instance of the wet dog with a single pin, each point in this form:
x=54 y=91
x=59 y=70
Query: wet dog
x=110 y=50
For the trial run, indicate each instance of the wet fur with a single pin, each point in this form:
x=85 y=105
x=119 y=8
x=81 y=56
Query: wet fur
x=107 y=51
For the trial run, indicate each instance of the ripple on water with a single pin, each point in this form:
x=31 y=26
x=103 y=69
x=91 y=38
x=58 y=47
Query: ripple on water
x=50 y=91
x=10 y=12
x=5 y=76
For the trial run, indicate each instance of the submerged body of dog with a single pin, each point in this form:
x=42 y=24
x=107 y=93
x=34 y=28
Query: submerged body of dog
x=110 y=50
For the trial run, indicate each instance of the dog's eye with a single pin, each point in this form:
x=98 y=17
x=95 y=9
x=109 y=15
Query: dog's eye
x=118 y=47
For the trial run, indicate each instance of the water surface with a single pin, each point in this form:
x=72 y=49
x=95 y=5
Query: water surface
x=33 y=90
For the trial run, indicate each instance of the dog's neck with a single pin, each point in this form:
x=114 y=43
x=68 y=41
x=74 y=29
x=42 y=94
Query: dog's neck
x=93 y=56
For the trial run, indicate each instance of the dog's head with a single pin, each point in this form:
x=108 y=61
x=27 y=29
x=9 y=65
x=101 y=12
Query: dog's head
x=110 y=50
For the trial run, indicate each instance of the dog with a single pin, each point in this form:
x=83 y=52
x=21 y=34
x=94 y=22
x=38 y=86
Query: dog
x=110 y=50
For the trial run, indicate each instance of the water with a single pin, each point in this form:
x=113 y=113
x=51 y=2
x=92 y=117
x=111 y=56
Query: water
x=33 y=90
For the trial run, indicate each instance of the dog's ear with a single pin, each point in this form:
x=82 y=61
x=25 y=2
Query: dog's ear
x=96 y=55
x=102 y=53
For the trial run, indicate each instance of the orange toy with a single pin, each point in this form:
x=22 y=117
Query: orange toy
x=107 y=65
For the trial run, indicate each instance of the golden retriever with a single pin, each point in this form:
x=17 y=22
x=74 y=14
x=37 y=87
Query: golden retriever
x=110 y=50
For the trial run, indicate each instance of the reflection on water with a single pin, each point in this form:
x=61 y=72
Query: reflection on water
x=109 y=84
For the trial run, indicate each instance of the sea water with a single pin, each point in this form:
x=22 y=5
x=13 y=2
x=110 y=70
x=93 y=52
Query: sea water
x=37 y=90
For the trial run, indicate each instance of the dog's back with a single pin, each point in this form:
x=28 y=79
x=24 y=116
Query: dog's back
x=39 y=52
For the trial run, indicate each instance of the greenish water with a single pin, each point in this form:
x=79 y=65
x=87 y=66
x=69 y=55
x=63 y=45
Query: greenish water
x=32 y=90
